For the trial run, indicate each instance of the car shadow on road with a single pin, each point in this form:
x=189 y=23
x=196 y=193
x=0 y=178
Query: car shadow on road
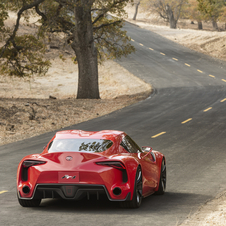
x=167 y=203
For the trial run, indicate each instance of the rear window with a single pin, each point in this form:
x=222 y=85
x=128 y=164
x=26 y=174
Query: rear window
x=79 y=145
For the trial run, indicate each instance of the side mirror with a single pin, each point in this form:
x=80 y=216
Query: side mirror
x=146 y=149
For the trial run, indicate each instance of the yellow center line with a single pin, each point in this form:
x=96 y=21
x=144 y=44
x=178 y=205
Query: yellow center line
x=223 y=100
x=141 y=44
x=188 y=65
x=212 y=76
x=132 y=40
x=1 y=192
x=159 y=134
x=186 y=121
x=199 y=71
x=175 y=59
x=223 y=80
x=208 y=109
x=151 y=49
x=163 y=54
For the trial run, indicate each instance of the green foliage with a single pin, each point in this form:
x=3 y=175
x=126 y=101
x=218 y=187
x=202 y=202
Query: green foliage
x=211 y=9
x=24 y=57
x=111 y=41
x=24 y=54
x=111 y=46
x=55 y=18
x=3 y=16
x=193 y=11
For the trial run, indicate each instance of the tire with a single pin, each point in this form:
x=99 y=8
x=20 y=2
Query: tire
x=137 y=194
x=162 y=179
x=29 y=203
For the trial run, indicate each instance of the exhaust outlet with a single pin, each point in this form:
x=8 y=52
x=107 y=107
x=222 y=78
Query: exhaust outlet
x=26 y=189
x=117 y=191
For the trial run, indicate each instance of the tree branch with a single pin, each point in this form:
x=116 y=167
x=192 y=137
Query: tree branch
x=107 y=24
x=164 y=17
x=11 y=38
x=69 y=39
x=105 y=10
x=44 y=17
x=66 y=3
x=58 y=9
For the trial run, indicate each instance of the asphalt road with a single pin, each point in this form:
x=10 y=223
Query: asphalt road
x=184 y=118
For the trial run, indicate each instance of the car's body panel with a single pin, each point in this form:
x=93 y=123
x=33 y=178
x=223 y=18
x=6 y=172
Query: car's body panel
x=71 y=175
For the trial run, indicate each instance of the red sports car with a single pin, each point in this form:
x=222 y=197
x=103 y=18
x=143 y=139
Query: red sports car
x=77 y=164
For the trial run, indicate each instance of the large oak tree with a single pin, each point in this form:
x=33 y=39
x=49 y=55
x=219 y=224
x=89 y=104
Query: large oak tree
x=88 y=28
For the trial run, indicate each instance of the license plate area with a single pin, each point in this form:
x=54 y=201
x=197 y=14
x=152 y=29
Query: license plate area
x=68 y=177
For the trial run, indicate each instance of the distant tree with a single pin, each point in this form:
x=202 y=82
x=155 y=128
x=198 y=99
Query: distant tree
x=136 y=3
x=211 y=10
x=222 y=17
x=87 y=28
x=194 y=13
x=169 y=10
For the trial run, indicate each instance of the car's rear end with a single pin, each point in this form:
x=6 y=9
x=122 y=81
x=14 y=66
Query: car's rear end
x=82 y=176
x=73 y=174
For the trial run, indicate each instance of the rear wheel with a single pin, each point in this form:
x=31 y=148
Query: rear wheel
x=162 y=180
x=29 y=203
x=137 y=194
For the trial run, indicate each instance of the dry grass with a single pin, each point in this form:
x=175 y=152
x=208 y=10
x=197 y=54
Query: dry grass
x=26 y=110
x=61 y=82
x=24 y=118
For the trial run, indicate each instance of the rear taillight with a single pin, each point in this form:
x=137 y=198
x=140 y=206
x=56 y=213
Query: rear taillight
x=26 y=164
x=114 y=164
x=29 y=163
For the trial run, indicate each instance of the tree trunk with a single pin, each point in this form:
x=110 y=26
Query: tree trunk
x=172 y=21
x=136 y=11
x=200 y=25
x=86 y=53
x=214 y=23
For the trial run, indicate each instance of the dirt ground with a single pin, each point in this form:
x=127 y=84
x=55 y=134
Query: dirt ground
x=213 y=212
x=33 y=106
